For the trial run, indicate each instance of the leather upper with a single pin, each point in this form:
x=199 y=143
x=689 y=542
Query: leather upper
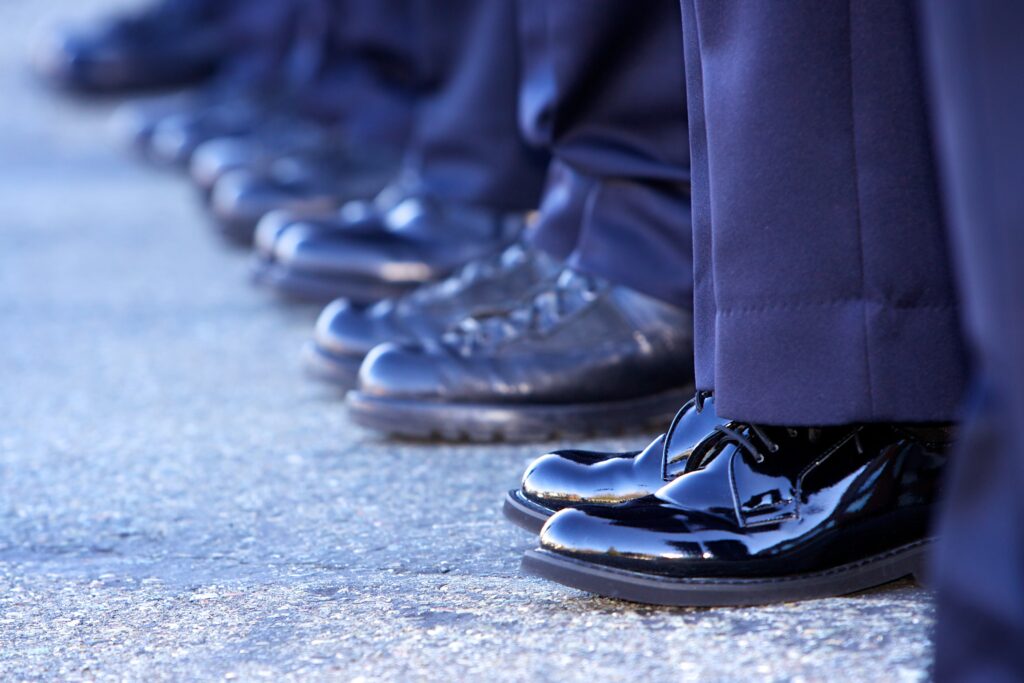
x=413 y=241
x=242 y=194
x=578 y=340
x=170 y=43
x=306 y=183
x=176 y=135
x=215 y=158
x=350 y=330
x=567 y=478
x=218 y=156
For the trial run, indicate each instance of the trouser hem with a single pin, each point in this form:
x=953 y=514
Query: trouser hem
x=839 y=362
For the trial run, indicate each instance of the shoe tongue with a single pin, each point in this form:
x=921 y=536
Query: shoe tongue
x=707 y=490
x=727 y=480
x=687 y=435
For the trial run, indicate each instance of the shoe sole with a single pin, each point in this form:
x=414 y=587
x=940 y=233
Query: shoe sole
x=523 y=513
x=621 y=584
x=331 y=368
x=480 y=422
x=324 y=288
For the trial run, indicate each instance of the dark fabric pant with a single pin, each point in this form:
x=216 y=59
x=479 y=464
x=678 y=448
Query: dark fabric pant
x=603 y=89
x=976 y=61
x=439 y=78
x=465 y=145
x=824 y=291
x=864 y=122
x=356 y=66
x=347 y=63
x=258 y=35
x=366 y=80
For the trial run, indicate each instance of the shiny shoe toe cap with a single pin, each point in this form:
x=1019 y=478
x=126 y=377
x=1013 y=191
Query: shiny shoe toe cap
x=346 y=329
x=214 y=159
x=270 y=228
x=240 y=194
x=565 y=478
x=393 y=371
x=173 y=141
x=648 y=541
x=133 y=125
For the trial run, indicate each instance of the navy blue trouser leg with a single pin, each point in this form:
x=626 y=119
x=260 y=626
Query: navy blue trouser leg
x=465 y=143
x=976 y=61
x=348 y=63
x=604 y=90
x=830 y=298
x=257 y=35
x=367 y=76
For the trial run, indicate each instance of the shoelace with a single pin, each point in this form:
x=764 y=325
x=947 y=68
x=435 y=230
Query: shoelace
x=470 y=274
x=733 y=433
x=540 y=313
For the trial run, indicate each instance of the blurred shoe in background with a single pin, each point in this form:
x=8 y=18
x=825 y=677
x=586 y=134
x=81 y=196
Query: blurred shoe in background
x=370 y=251
x=308 y=69
x=166 y=44
x=346 y=332
x=215 y=158
x=315 y=180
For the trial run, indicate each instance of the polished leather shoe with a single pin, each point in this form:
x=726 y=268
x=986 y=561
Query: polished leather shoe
x=215 y=158
x=571 y=478
x=345 y=333
x=313 y=182
x=373 y=250
x=360 y=215
x=761 y=515
x=176 y=135
x=167 y=44
x=578 y=357
x=167 y=130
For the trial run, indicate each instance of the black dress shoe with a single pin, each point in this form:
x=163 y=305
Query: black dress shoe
x=167 y=130
x=170 y=43
x=572 y=478
x=176 y=135
x=215 y=158
x=579 y=357
x=314 y=182
x=764 y=514
x=375 y=250
x=359 y=215
x=345 y=333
